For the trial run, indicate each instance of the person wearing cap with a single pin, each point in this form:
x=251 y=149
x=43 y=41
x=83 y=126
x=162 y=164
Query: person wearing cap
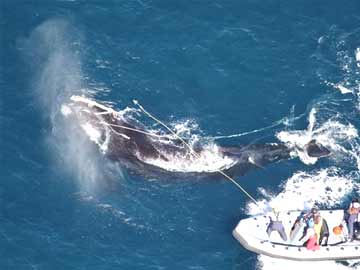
x=351 y=217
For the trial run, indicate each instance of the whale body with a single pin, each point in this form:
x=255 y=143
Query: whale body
x=129 y=143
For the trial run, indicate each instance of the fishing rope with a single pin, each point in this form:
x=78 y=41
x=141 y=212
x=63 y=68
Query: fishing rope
x=125 y=127
x=133 y=129
x=282 y=121
x=193 y=152
x=118 y=133
x=248 y=132
x=128 y=128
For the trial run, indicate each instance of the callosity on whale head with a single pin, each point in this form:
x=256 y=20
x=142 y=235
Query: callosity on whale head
x=115 y=135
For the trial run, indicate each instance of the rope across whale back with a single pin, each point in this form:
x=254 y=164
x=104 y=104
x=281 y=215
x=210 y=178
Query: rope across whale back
x=193 y=152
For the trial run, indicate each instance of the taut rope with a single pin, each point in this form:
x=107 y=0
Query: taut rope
x=193 y=152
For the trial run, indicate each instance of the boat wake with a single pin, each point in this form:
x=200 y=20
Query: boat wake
x=331 y=122
x=326 y=188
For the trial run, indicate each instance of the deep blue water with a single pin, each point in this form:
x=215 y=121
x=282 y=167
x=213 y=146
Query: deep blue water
x=228 y=66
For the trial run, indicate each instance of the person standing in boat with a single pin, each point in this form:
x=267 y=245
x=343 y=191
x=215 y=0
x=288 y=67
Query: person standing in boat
x=312 y=230
x=321 y=229
x=276 y=225
x=308 y=218
x=351 y=217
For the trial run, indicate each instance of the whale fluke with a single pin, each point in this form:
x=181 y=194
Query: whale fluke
x=315 y=149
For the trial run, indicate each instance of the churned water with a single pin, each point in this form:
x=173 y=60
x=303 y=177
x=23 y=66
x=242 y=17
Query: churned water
x=217 y=72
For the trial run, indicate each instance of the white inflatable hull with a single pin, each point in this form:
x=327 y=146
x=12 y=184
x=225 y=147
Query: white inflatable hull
x=251 y=233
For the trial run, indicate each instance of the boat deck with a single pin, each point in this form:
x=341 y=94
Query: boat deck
x=251 y=233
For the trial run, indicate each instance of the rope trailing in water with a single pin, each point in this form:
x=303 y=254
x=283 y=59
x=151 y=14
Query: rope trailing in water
x=193 y=152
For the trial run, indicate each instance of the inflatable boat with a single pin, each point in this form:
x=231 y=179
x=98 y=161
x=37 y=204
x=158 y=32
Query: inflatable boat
x=252 y=235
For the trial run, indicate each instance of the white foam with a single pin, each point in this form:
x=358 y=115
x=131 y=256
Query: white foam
x=297 y=140
x=185 y=128
x=303 y=190
x=330 y=134
x=65 y=110
x=340 y=86
x=210 y=160
x=343 y=89
x=357 y=54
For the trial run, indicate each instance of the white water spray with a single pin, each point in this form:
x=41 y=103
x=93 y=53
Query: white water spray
x=56 y=62
x=330 y=134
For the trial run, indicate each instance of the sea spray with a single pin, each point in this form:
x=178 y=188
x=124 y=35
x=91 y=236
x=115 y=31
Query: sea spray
x=53 y=53
x=303 y=190
x=331 y=133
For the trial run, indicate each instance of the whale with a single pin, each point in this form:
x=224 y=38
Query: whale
x=124 y=140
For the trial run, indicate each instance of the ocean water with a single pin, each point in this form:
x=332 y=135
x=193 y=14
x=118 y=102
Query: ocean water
x=218 y=72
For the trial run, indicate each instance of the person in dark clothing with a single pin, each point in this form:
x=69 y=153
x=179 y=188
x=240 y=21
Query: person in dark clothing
x=308 y=218
x=351 y=217
x=276 y=225
x=324 y=233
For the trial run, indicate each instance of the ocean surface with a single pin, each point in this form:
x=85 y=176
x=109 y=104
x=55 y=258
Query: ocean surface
x=218 y=72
